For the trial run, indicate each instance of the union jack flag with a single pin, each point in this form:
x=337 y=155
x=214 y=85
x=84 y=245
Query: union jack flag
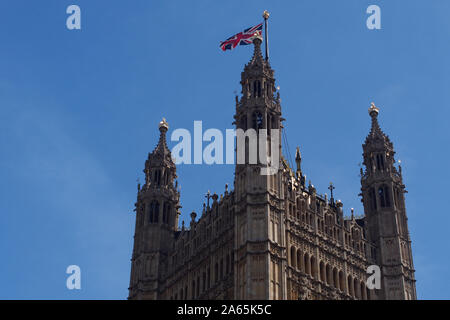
x=242 y=38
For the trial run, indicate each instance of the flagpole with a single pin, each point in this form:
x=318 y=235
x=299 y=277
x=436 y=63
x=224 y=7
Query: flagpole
x=266 y=36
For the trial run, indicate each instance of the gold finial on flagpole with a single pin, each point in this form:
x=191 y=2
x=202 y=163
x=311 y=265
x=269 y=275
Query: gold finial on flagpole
x=266 y=14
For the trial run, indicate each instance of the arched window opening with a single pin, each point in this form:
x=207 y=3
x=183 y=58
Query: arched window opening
x=314 y=267
x=336 y=278
x=350 y=286
x=293 y=257
x=380 y=162
x=157 y=178
x=166 y=212
x=363 y=291
x=329 y=275
x=357 y=289
x=383 y=193
x=372 y=199
x=257 y=88
x=307 y=264
x=154 y=211
x=341 y=281
x=258 y=120
x=322 y=271
x=299 y=260
x=167 y=176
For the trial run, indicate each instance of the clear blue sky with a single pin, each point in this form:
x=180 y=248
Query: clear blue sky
x=80 y=109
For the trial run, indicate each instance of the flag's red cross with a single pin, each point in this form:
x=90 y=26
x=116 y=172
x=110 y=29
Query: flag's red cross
x=242 y=38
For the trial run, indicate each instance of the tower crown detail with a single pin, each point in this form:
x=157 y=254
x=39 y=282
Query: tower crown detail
x=162 y=151
x=375 y=132
x=160 y=168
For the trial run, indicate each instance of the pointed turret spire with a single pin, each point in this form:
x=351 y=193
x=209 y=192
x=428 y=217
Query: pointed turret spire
x=258 y=66
x=160 y=167
x=162 y=148
x=298 y=161
x=375 y=131
x=378 y=149
x=257 y=54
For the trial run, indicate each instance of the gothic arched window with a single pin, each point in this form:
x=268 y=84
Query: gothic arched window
x=257 y=120
x=383 y=193
x=154 y=211
x=166 y=176
x=257 y=88
x=157 y=177
x=380 y=162
x=166 y=212
x=372 y=199
x=293 y=257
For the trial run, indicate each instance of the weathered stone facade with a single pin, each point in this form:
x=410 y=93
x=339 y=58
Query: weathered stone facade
x=273 y=236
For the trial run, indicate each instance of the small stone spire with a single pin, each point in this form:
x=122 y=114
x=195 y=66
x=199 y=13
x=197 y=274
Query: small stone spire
x=375 y=131
x=298 y=159
x=208 y=196
x=257 y=54
x=162 y=143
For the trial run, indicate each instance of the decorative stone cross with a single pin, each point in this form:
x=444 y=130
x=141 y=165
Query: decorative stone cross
x=331 y=188
x=208 y=196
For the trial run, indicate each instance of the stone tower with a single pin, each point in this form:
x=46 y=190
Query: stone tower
x=259 y=241
x=274 y=236
x=384 y=206
x=157 y=210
